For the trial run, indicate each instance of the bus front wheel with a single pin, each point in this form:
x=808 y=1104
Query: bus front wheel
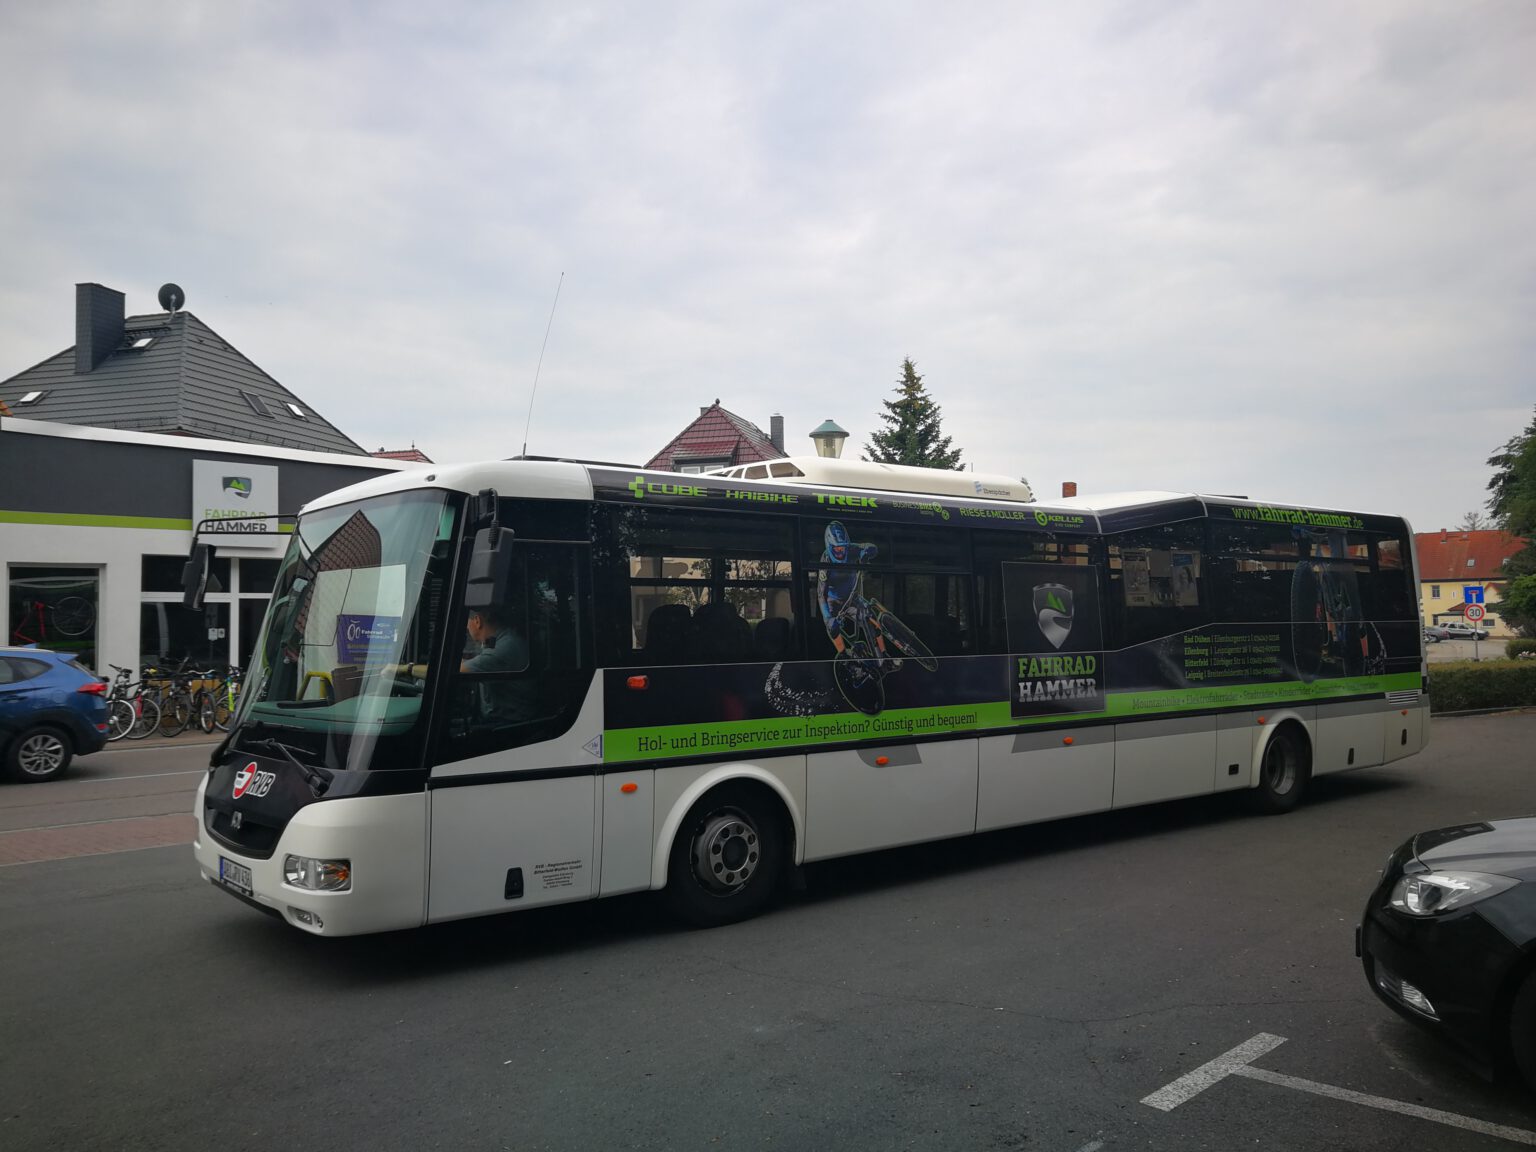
x=1284 y=771
x=727 y=857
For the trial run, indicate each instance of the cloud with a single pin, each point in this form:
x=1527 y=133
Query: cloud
x=1277 y=249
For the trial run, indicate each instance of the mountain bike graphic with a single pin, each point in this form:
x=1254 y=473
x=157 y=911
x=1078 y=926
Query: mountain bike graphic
x=861 y=667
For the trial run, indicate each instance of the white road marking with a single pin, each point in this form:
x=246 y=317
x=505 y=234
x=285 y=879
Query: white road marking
x=1191 y=1084
x=144 y=776
x=1517 y=1135
x=1239 y=1062
x=1092 y=1146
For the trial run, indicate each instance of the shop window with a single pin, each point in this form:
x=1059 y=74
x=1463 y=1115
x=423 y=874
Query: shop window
x=173 y=636
x=163 y=573
x=258 y=576
x=56 y=608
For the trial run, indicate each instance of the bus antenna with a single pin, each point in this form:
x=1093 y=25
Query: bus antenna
x=540 y=366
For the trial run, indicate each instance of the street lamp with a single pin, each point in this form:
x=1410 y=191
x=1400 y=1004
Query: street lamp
x=829 y=440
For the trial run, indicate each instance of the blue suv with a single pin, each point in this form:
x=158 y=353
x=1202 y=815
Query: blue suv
x=51 y=710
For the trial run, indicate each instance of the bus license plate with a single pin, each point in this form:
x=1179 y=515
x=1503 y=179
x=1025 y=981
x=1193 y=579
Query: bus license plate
x=236 y=876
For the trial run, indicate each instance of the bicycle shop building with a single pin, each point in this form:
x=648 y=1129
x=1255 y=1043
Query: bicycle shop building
x=113 y=449
x=95 y=524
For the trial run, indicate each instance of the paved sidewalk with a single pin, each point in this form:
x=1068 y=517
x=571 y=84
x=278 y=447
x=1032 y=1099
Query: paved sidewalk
x=31 y=845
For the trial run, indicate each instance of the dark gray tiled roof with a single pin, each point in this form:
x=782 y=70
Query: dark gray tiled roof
x=187 y=380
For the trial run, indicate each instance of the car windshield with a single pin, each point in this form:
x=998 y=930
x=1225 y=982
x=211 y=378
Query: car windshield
x=359 y=593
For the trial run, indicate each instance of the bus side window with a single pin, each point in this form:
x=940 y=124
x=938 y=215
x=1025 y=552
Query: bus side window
x=680 y=586
x=525 y=666
x=995 y=548
x=1387 y=593
x=1157 y=582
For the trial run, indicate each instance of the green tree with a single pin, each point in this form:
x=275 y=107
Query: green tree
x=1512 y=491
x=1512 y=501
x=912 y=434
x=1518 y=607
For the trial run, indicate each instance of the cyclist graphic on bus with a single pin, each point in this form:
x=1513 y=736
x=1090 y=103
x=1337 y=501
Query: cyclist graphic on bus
x=862 y=629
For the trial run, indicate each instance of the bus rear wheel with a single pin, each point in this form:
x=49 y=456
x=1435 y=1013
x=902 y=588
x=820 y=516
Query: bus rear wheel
x=727 y=858
x=1284 y=771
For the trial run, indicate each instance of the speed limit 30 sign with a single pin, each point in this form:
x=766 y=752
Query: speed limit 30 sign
x=1474 y=612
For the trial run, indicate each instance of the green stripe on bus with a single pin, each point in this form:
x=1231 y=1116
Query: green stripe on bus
x=1257 y=695
x=673 y=741
x=87 y=520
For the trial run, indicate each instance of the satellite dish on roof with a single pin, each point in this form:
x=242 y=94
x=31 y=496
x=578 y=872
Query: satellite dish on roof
x=172 y=297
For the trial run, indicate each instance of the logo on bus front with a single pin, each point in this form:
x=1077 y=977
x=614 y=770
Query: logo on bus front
x=253 y=781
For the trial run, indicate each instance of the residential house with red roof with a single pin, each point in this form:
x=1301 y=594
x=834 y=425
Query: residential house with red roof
x=718 y=439
x=1450 y=561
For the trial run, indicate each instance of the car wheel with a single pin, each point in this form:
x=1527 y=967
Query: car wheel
x=726 y=857
x=1522 y=1030
x=39 y=754
x=1284 y=772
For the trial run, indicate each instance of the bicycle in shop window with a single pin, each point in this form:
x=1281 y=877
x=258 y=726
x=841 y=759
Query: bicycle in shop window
x=42 y=620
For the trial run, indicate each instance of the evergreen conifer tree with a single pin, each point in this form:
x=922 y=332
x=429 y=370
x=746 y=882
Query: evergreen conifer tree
x=912 y=433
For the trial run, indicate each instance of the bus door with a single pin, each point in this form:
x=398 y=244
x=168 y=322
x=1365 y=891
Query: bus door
x=514 y=788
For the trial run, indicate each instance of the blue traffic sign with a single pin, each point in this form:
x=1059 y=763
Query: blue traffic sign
x=1472 y=595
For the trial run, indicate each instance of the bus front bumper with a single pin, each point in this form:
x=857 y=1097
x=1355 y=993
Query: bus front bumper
x=382 y=839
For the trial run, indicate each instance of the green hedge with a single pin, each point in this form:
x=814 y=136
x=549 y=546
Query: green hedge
x=1513 y=648
x=1468 y=684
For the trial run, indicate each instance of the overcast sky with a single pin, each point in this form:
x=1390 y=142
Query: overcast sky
x=1287 y=250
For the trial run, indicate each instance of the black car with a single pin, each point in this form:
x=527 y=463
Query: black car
x=1449 y=939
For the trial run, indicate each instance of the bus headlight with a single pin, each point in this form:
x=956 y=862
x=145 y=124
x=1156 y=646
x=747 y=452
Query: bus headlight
x=317 y=875
x=1430 y=893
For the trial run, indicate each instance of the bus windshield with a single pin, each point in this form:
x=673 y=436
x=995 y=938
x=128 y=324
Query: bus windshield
x=359 y=594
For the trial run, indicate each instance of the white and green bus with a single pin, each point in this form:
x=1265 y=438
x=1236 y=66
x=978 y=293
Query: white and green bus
x=489 y=687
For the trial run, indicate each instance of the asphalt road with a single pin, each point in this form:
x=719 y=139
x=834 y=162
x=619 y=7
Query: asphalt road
x=1024 y=990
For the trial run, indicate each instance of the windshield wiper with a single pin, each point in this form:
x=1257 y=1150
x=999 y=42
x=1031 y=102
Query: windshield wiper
x=221 y=755
x=318 y=779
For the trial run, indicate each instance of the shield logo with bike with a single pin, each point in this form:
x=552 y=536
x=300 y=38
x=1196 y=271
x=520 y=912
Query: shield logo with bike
x=1053 y=612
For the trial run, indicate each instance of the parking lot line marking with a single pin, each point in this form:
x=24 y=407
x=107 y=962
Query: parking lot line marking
x=1517 y=1135
x=1191 y=1084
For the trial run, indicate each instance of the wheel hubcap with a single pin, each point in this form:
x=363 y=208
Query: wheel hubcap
x=726 y=853
x=41 y=754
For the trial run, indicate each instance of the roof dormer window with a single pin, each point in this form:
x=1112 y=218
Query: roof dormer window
x=298 y=413
x=32 y=397
x=256 y=403
x=141 y=343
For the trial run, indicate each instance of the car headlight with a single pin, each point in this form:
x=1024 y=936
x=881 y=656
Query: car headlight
x=317 y=875
x=1431 y=893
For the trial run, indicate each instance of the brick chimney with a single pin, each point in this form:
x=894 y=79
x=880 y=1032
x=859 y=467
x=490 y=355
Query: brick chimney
x=776 y=431
x=98 y=325
x=1068 y=488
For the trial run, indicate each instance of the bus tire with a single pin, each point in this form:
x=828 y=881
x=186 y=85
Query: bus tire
x=727 y=857
x=1283 y=772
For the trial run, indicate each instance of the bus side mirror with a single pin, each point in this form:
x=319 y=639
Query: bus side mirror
x=195 y=577
x=490 y=569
